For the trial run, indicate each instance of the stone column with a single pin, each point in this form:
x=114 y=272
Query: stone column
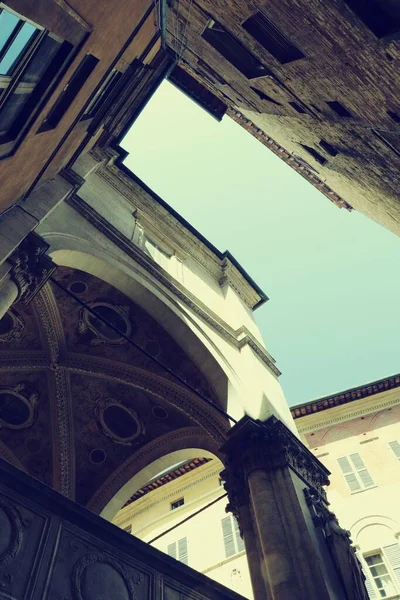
x=240 y=506
x=299 y=553
x=8 y=294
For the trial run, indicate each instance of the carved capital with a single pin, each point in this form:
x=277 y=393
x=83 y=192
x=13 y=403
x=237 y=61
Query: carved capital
x=269 y=445
x=31 y=267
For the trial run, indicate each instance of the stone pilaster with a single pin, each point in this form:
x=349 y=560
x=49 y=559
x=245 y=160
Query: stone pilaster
x=268 y=470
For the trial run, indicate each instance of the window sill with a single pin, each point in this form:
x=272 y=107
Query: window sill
x=364 y=490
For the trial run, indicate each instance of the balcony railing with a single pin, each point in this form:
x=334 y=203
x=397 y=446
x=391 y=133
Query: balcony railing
x=53 y=549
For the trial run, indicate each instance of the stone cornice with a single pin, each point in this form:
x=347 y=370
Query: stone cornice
x=237 y=338
x=218 y=265
x=270 y=445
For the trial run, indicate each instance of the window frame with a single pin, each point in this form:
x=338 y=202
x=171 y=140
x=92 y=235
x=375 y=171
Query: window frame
x=177 y=503
x=355 y=473
x=230 y=523
x=42 y=90
x=370 y=578
x=179 y=550
x=395 y=448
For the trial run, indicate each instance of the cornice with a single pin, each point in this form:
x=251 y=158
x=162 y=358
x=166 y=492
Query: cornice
x=300 y=166
x=222 y=269
x=341 y=414
x=237 y=338
x=166 y=496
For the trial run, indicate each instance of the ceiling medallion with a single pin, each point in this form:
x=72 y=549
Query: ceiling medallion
x=11 y=327
x=94 y=331
x=17 y=410
x=123 y=425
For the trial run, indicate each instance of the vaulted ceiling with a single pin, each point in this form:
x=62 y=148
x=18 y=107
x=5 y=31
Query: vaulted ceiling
x=77 y=401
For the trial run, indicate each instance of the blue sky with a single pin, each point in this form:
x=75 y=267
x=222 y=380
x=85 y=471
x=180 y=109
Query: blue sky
x=332 y=276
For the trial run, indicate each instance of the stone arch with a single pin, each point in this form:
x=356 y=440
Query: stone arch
x=124 y=275
x=186 y=443
x=377 y=530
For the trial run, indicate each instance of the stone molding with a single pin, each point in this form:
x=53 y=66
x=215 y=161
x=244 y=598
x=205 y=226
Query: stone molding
x=268 y=446
x=31 y=267
x=237 y=338
x=297 y=164
x=129 y=468
x=183 y=400
x=221 y=268
x=63 y=444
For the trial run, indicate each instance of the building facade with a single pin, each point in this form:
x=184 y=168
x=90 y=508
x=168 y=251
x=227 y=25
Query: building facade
x=127 y=340
x=355 y=433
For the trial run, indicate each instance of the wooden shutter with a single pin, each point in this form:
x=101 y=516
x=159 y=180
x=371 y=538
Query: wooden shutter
x=239 y=541
x=172 y=550
x=362 y=472
x=395 y=446
x=392 y=554
x=349 y=476
x=368 y=582
x=183 y=550
x=227 y=533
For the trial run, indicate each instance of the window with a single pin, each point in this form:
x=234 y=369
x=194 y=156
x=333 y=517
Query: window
x=179 y=550
x=328 y=148
x=394 y=116
x=70 y=92
x=233 y=543
x=395 y=446
x=383 y=572
x=102 y=95
x=382 y=18
x=264 y=96
x=316 y=155
x=355 y=473
x=234 y=51
x=265 y=32
x=30 y=58
x=339 y=109
x=177 y=504
x=298 y=108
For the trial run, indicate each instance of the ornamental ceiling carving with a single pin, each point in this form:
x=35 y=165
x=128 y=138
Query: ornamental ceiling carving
x=77 y=400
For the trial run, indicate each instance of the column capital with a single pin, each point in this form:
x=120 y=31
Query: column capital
x=30 y=266
x=269 y=445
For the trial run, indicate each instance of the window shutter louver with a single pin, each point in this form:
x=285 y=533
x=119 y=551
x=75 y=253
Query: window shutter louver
x=356 y=474
x=357 y=461
x=368 y=583
x=395 y=446
x=239 y=541
x=183 y=550
x=228 y=537
x=345 y=465
x=172 y=550
x=392 y=554
x=363 y=473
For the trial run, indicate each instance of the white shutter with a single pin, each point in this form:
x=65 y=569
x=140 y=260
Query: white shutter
x=395 y=446
x=349 y=476
x=183 y=550
x=228 y=537
x=392 y=554
x=239 y=541
x=362 y=472
x=368 y=583
x=171 y=550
